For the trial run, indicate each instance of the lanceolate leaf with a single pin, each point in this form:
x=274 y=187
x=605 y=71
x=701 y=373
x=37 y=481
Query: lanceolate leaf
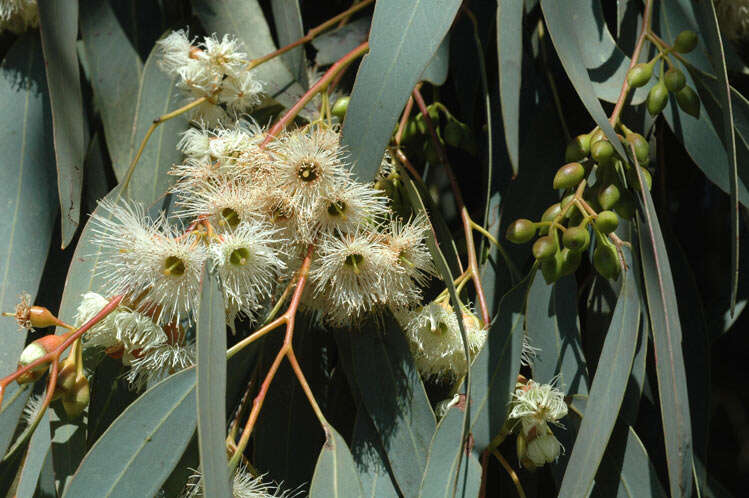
x=444 y=466
x=139 y=450
x=370 y=459
x=335 y=473
x=669 y=360
x=58 y=21
x=510 y=55
x=395 y=399
x=288 y=20
x=34 y=459
x=436 y=72
x=405 y=35
x=606 y=392
x=211 y=388
x=116 y=70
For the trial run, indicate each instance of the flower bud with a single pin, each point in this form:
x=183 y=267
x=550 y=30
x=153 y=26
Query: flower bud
x=521 y=231
x=77 y=399
x=545 y=448
x=597 y=136
x=453 y=133
x=569 y=176
x=66 y=379
x=576 y=238
x=626 y=206
x=674 y=79
x=657 y=98
x=551 y=268
x=549 y=215
x=606 y=261
x=340 y=107
x=608 y=196
x=606 y=222
x=570 y=260
x=688 y=101
x=602 y=152
x=640 y=74
x=544 y=248
x=642 y=149
x=577 y=149
x=685 y=42
x=635 y=182
x=35 y=351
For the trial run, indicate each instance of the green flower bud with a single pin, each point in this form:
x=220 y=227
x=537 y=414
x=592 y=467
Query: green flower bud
x=340 y=107
x=551 y=268
x=657 y=98
x=576 y=238
x=635 y=182
x=606 y=261
x=642 y=149
x=570 y=261
x=577 y=149
x=674 y=79
x=549 y=215
x=602 y=152
x=453 y=133
x=688 y=101
x=597 y=136
x=521 y=231
x=606 y=222
x=77 y=400
x=544 y=248
x=569 y=176
x=640 y=74
x=409 y=131
x=575 y=217
x=626 y=206
x=430 y=153
x=608 y=196
x=685 y=42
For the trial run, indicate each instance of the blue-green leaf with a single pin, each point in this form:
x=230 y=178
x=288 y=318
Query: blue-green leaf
x=335 y=474
x=394 y=396
x=667 y=337
x=606 y=392
x=211 y=388
x=436 y=72
x=405 y=35
x=115 y=70
x=58 y=22
x=444 y=466
x=139 y=450
x=36 y=455
x=510 y=55
x=334 y=44
x=370 y=459
x=287 y=17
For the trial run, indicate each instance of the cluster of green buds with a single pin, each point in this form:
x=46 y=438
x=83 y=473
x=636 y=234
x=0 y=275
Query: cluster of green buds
x=671 y=80
x=450 y=131
x=597 y=186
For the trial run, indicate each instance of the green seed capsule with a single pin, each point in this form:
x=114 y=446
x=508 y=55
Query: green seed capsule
x=688 y=101
x=578 y=149
x=340 y=107
x=544 y=248
x=640 y=74
x=657 y=98
x=608 y=196
x=674 y=79
x=551 y=268
x=597 y=136
x=453 y=133
x=626 y=206
x=602 y=151
x=606 y=222
x=549 y=215
x=635 y=182
x=569 y=176
x=606 y=261
x=576 y=238
x=565 y=201
x=521 y=231
x=685 y=42
x=570 y=261
x=642 y=149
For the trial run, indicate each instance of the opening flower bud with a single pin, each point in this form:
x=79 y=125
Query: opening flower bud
x=640 y=74
x=576 y=238
x=607 y=222
x=608 y=196
x=685 y=41
x=521 y=231
x=577 y=149
x=674 y=79
x=35 y=351
x=657 y=98
x=688 y=101
x=606 y=261
x=602 y=152
x=569 y=176
x=544 y=248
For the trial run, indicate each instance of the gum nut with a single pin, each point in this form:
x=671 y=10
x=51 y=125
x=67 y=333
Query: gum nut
x=606 y=261
x=544 y=248
x=685 y=41
x=576 y=238
x=639 y=75
x=569 y=176
x=608 y=196
x=521 y=231
x=674 y=79
x=607 y=222
x=657 y=98
x=688 y=101
x=602 y=151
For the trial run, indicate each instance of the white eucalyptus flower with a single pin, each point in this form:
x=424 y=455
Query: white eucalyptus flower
x=17 y=16
x=348 y=206
x=535 y=403
x=158 y=363
x=244 y=485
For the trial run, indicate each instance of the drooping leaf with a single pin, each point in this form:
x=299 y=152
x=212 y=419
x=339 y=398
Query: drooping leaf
x=58 y=22
x=370 y=459
x=35 y=457
x=436 y=71
x=287 y=17
x=139 y=450
x=115 y=70
x=667 y=339
x=211 y=388
x=335 y=473
x=405 y=35
x=510 y=55
x=394 y=396
x=606 y=392
x=443 y=465
x=334 y=44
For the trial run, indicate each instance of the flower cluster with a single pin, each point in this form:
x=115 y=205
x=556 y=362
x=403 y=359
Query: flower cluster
x=214 y=69
x=243 y=485
x=17 y=16
x=534 y=407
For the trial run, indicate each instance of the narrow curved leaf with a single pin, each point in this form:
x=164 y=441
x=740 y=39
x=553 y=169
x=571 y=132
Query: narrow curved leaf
x=436 y=72
x=395 y=399
x=444 y=466
x=137 y=453
x=115 y=71
x=510 y=56
x=211 y=388
x=336 y=43
x=370 y=459
x=58 y=20
x=335 y=474
x=34 y=460
x=606 y=392
x=405 y=35
x=667 y=339
x=10 y=415
x=287 y=17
